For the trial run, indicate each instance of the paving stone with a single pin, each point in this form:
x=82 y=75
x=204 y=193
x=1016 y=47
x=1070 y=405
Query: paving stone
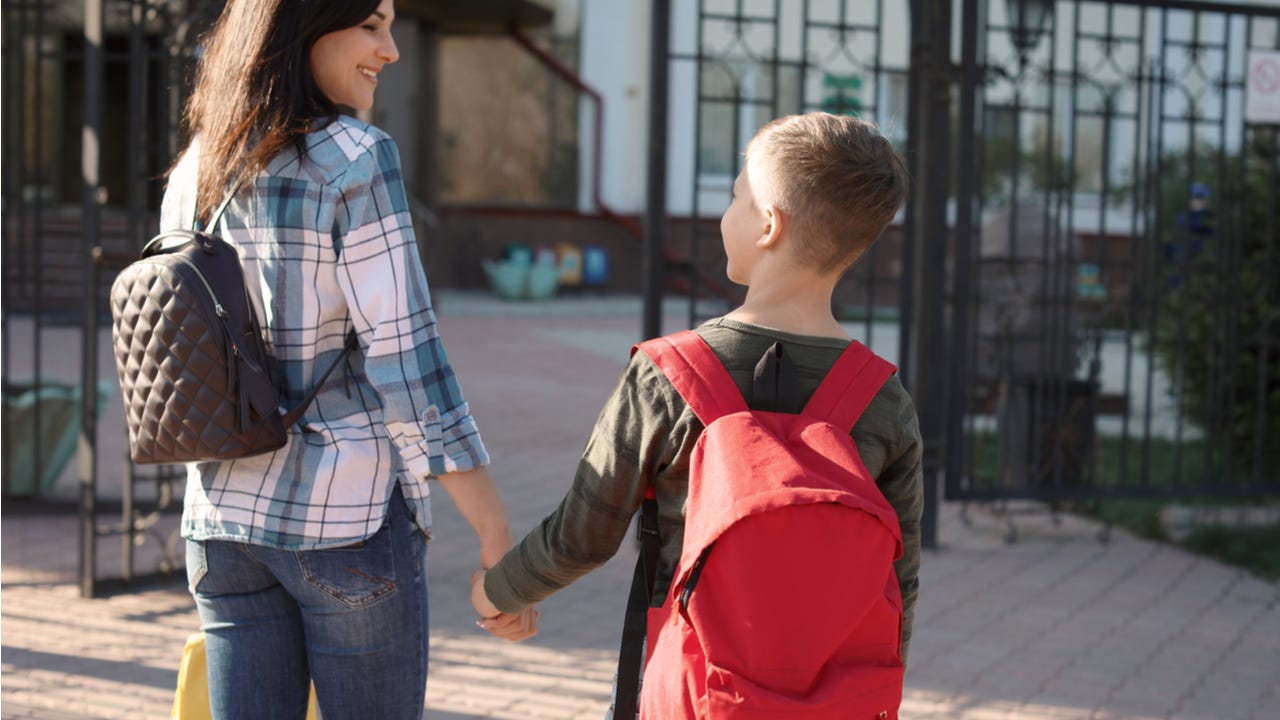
x=1054 y=627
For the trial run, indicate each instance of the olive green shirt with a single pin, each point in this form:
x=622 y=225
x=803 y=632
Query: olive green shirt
x=645 y=436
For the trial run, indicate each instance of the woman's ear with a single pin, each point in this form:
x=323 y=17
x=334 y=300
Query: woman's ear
x=774 y=228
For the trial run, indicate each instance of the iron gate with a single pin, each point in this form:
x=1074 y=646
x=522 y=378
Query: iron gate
x=738 y=64
x=1113 y=286
x=735 y=64
x=1110 y=302
x=88 y=87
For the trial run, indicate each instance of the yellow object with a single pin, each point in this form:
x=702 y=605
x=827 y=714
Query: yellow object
x=570 y=264
x=191 y=701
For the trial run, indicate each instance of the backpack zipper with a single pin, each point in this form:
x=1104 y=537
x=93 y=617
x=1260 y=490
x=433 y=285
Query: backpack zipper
x=687 y=591
x=217 y=306
x=228 y=345
x=220 y=338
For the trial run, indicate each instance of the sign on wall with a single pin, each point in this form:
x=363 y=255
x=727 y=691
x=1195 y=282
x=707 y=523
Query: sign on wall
x=1262 y=87
x=842 y=94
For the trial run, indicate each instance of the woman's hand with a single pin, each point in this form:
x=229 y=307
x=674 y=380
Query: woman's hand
x=517 y=627
x=492 y=549
x=480 y=599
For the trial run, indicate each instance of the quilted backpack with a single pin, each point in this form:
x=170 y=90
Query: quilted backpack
x=197 y=380
x=784 y=603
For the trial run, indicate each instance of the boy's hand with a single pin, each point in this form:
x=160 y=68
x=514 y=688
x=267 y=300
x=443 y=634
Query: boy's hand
x=520 y=626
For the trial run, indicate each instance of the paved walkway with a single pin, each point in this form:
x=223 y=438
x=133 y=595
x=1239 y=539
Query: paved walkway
x=1055 y=626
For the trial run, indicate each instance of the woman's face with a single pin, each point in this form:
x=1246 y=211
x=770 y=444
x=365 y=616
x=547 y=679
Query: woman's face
x=345 y=63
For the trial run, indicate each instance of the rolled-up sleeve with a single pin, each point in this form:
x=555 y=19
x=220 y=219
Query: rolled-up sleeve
x=382 y=278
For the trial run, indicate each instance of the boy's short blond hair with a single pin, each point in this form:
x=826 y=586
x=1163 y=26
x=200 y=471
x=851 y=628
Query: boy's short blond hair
x=836 y=177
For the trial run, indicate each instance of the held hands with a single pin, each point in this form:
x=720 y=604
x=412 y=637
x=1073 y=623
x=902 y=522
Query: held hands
x=515 y=628
x=474 y=494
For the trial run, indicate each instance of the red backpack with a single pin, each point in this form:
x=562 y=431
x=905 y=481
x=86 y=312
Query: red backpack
x=784 y=603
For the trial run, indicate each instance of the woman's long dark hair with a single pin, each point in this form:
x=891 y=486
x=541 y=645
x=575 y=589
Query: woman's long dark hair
x=254 y=92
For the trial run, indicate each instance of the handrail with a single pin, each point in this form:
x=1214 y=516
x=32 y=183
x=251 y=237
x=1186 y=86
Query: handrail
x=633 y=227
x=571 y=76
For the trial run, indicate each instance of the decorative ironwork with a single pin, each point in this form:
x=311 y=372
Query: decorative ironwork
x=1116 y=192
x=52 y=64
x=1027 y=19
x=753 y=61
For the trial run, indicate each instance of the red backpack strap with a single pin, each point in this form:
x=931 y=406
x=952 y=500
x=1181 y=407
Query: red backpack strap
x=697 y=374
x=849 y=386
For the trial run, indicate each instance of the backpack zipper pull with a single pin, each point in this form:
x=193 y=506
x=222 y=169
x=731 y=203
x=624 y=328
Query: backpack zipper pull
x=687 y=591
x=233 y=381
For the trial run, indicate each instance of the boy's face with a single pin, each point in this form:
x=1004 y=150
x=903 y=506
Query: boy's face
x=741 y=226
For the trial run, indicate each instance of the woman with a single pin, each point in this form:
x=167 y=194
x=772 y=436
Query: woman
x=308 y=564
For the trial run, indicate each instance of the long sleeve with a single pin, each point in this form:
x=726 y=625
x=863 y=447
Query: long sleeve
x=327 y=246
x=902 y=483
x=382 y=278
x=630 y=448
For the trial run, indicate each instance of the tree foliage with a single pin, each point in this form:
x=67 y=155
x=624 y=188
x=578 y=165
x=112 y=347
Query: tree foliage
x=1216 y=280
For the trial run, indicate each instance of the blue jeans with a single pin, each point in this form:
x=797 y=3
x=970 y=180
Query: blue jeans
x=352 y=619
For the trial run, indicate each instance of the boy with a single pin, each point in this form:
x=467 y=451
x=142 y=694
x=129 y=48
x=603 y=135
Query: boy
x=815 y=192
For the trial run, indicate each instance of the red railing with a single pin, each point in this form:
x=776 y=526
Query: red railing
x=631 y=225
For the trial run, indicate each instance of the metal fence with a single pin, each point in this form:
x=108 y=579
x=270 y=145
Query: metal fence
x=746 y=63
x=1110 y=230
x=1114 y=278
x=91 y=97
x=1099 y=274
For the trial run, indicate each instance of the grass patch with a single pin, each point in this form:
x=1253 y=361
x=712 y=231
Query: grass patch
x=1140 y=516
x=1255 y=549
x=1169 y=467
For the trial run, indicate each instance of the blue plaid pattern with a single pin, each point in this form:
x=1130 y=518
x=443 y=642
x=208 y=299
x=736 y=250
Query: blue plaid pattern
x=327 y=245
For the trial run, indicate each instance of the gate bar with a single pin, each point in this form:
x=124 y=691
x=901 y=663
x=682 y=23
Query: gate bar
x=655 y=216
x=1203 y=6
x=90 y=169
x=930 y=165
x=958 y=391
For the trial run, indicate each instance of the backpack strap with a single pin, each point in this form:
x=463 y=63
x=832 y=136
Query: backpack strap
x=635 y=628
x=701 y=379
x=696 y=373
x=217 y=213
x=351 y=345
x=849 y=387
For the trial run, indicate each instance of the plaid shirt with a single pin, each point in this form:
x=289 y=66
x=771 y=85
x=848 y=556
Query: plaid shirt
x=327 y=246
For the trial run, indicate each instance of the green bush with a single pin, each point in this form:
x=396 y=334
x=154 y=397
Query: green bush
x=1217 y=330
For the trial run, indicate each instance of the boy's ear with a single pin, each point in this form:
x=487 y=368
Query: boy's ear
x=776 y=224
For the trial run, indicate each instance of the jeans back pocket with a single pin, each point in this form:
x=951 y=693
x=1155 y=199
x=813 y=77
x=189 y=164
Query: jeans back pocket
x=356 y=575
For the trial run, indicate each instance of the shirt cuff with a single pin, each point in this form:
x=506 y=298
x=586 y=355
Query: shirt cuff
x=418 y=466
x=460 y=447
x=500 y=592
